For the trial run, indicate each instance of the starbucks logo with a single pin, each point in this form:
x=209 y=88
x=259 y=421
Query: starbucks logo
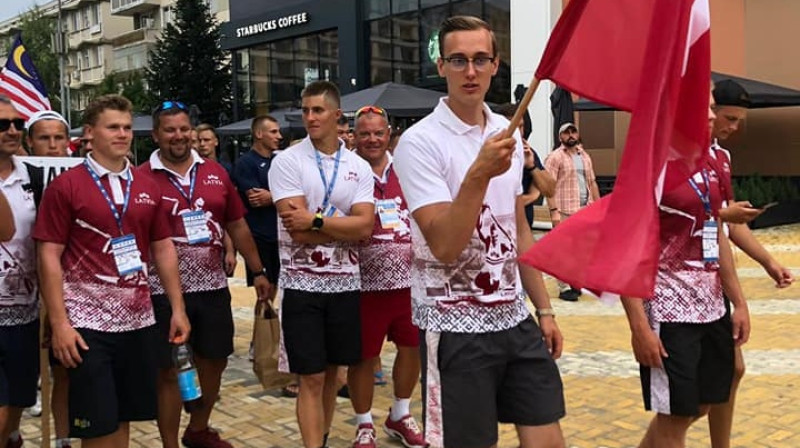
x=433 y=46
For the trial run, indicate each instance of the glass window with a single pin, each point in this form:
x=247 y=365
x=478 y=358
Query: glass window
x=380 y=51
x=329 y=56
x=375 y=9
x=429 y=3
x=430 y=20
x=400 y=6
x=405 y=46
x=467 y=8
x=259 y=69
x=498 y=15
x=96 y=13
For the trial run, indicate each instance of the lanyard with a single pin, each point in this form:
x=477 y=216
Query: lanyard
x=179 y=187
x=705 y=198
x=125 y=202
x=328 y=186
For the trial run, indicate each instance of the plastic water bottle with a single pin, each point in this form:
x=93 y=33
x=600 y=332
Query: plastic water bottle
x=188 y=382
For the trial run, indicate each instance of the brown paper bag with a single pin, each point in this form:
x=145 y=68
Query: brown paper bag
x=266 y=348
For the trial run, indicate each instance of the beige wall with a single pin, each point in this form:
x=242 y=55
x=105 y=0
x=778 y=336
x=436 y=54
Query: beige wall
x=751 y=38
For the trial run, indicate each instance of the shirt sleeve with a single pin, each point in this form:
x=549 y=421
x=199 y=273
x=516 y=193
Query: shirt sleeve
x=284 y=177
x=420 y=169
x=366 y=184
x=552 y=164
x=244 y=176
x=55 y=215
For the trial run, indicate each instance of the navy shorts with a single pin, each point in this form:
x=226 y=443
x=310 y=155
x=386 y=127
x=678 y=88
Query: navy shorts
x=19 y=364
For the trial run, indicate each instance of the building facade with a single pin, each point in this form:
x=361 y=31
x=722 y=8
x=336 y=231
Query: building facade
x=280 y=46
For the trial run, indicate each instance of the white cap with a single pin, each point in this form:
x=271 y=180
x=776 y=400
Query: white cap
x=566 y=126
x=45 y=115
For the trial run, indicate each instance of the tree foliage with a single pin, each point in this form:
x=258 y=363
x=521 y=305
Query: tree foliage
x=187 y=63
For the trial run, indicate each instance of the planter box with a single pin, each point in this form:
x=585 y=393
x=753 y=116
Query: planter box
x=783 y=213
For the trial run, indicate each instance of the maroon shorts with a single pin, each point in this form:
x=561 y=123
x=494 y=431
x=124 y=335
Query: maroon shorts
x=386 y=314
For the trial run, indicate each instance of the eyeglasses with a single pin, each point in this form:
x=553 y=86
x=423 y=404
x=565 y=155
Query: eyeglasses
x=166 y=105
x=5 y=124
x=370 y=109
x=459 y=63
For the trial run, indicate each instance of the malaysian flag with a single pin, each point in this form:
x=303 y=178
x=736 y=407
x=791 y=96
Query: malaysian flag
x=20 y=81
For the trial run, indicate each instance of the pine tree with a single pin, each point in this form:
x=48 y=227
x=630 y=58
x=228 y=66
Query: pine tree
x=188 y=65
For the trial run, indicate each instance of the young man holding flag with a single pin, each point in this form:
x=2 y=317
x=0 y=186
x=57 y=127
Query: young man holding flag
x=485 y=358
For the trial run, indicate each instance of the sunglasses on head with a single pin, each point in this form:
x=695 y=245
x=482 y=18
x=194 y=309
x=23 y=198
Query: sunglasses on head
x=370 y=109
x=167 y=105
x=5 y=124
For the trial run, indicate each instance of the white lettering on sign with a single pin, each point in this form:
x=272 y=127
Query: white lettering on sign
x=273 y=24
x=52 y=166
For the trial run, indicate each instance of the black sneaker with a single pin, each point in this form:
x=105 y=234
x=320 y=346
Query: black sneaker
x=570 y=295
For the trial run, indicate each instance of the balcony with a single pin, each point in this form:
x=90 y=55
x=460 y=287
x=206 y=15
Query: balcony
x=87 y=77
x=92 y=35
x=146 y=35
x=131 y=7
x=132 y=57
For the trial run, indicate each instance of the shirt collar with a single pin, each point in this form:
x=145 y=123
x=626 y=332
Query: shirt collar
x=101 y=171
x=157 y=164
x=19 y=173
x=311 y=149
x=385 y=175
x=450 y=120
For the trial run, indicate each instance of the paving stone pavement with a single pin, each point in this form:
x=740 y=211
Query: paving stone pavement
x=600 y=377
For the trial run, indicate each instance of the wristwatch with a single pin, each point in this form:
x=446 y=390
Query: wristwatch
x=541 y=312
x=317 y=223
x=263 y=272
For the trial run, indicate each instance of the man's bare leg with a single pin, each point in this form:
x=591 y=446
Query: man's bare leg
x=310 y=411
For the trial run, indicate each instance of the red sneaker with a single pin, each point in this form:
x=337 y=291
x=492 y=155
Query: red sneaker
x=365 y=436
x=406 y=430
x=13 y=444
x=207 y=438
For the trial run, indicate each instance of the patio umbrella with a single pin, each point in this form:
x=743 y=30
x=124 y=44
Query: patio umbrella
x=399 y=100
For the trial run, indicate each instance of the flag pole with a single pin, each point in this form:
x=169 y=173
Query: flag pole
x=522 y=107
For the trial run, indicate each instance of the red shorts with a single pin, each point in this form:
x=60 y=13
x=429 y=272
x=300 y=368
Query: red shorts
x=386 y=314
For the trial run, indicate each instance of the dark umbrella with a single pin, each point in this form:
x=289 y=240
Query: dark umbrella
x=399 y=100
x=142 y=126
x=287 y=118
x=563 y=111
x=762 y=94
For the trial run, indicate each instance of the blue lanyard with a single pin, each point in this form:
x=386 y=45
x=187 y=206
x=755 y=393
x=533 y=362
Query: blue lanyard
x=328 y=186
x=179 y=187
x=705 y=198
x=126 y=201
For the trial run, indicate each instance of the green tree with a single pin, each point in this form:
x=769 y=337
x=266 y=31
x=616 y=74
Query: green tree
x=187 y=63
x=37 y=30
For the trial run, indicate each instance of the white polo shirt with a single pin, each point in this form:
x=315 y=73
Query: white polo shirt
x=331 y=267
x=18 y=285
x=481 y=291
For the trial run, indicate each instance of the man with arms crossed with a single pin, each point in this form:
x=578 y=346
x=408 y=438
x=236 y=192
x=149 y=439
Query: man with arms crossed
x=324 y=197
x=99 y=226
x=485 y=359
x=203 y=205
x=385 y=292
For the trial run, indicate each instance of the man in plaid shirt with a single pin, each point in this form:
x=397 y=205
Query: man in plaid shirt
x=575 y=185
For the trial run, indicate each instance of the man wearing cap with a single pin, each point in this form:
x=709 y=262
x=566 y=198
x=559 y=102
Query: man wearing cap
x=575 y=188
x=731 y=103
x=385 y=292
x=203 y=203
x=48 y=134
x=19 y=301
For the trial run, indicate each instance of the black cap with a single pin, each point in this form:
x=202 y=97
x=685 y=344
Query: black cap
x=730 y=93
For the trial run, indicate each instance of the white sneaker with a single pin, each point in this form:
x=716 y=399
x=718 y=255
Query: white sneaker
x=36 y=409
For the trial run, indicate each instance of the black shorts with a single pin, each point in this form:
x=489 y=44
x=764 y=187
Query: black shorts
x=268 y=252
x=211 y=318
x=116 y=382
x=472 y=381
x=698 y=370
x=321 y=329
x=19 y=364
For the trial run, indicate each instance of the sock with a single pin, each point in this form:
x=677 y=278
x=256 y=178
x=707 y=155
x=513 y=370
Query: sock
x=325 y=440
x=400 y=408
x=364 y=418
x=60 y=443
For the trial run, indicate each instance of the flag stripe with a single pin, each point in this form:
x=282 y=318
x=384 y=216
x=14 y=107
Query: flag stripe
x=20 y=81
x=21 y=94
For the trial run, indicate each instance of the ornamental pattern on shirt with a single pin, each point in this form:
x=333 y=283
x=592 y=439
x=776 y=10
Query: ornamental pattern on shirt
x=386 y=257
x=331 y=267
x=479 y=291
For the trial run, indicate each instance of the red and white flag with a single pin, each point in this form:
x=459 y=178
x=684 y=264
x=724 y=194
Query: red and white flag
x=652 y=58
x=20 y=81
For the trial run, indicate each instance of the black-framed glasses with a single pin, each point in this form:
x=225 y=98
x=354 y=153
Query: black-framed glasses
x=459 y=63
x=167 y=105
x=370 y=109
x=5 y=124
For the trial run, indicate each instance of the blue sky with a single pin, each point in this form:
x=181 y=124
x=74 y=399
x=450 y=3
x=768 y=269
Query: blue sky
x=12 y=8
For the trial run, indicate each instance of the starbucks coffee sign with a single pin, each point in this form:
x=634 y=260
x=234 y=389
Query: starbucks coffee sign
x=272 y=25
